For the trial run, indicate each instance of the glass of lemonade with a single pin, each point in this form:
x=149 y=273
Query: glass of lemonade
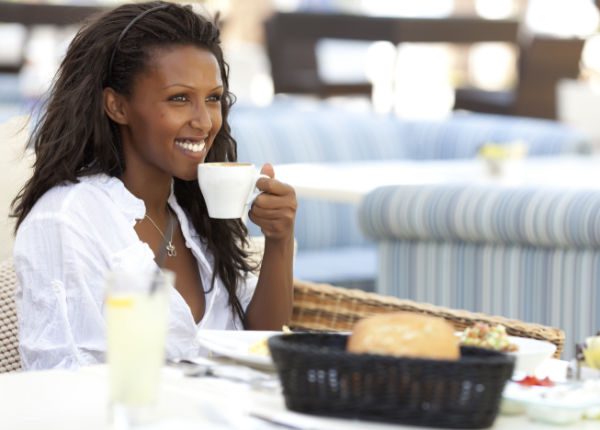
x=136 y=317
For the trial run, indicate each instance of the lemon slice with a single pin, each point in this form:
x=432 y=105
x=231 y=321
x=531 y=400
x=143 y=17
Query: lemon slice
x=120 y=302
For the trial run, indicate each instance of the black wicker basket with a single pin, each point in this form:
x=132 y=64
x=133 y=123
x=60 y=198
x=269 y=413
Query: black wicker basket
x=319 y=377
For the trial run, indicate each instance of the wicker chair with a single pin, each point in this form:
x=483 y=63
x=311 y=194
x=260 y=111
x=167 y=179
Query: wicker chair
x=325 y=307
x=9 y=353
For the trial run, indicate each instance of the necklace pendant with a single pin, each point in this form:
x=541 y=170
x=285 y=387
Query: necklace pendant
x=171 y=252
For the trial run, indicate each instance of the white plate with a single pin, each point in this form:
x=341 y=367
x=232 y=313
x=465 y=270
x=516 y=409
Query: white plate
x=235 y=344
x=563 y=403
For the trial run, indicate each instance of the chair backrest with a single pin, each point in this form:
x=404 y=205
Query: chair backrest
x=325 y=307
x=293 y=55
x=291 y=41
x=9 y=352
x=543 y=62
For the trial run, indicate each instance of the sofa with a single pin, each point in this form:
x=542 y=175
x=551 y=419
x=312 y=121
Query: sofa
x=528 y=253
x=331 y=246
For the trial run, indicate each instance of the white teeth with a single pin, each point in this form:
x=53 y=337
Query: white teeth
x=188 y=145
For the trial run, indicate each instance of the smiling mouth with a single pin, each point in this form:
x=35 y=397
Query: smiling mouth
x=191 y=146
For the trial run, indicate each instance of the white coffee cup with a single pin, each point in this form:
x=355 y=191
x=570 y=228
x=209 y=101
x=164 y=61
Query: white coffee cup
x=228 y=188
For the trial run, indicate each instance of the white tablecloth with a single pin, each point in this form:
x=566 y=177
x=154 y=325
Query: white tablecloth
x=64 y=400
x=348 y=182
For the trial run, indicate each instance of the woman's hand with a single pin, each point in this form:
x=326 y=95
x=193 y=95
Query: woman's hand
x=274 y=211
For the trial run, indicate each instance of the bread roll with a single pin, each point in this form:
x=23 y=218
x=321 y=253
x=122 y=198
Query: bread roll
x=405 y=334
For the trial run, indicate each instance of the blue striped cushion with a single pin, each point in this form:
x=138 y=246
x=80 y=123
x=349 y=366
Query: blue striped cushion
x=461 y=134
x=559 y=287
x=297 y=135
x=294 y=133
x=527 y=216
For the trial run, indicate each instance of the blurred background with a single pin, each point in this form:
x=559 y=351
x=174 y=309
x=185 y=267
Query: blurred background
x=416 y=59
x=397 y=74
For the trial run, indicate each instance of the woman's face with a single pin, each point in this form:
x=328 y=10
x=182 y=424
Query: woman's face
x=174 y=112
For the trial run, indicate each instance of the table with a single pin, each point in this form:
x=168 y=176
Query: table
x=75 y=400
x=349 y=182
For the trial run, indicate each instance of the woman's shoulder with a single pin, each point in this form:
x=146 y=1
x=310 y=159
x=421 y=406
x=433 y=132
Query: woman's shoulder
x=61 y=197
x=74 y=200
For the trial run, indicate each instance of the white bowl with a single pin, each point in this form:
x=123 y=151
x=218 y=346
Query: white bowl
x=531 y=353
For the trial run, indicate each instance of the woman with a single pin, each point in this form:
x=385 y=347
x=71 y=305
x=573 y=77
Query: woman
x=140 y=99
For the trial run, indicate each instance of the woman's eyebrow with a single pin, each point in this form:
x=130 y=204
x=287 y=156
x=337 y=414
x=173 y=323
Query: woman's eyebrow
x=179 y=85
x=191 y=87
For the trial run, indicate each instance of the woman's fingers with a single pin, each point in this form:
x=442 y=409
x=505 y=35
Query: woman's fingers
x=276 y=195
x=274 y=187
x=274 y=211
x=283 y=214
x=267 y=169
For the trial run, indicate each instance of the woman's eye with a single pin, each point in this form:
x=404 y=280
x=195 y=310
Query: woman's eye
x=215 y=98
x=179 y=98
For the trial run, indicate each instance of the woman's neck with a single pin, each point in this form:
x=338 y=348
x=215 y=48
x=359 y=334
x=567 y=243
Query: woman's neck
x=153 y=189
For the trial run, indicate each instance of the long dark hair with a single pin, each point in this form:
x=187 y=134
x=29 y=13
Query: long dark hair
x=75 y=137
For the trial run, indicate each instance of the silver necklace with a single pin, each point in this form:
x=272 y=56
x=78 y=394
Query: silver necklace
x=171 y=252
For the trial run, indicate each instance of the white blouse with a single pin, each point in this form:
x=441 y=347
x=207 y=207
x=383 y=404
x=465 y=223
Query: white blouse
x=73 y=235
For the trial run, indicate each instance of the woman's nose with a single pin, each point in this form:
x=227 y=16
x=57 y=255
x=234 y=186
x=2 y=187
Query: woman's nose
x=201 y=118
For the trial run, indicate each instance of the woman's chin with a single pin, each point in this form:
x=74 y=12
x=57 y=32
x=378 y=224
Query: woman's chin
x=187 y=176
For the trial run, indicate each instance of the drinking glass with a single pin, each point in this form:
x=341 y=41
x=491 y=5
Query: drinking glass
x=136 y=317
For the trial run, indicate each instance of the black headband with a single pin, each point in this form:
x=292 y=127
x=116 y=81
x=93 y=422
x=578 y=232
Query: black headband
x=126 y=29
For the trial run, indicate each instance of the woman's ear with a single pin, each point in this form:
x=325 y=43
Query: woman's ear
x=114 y=106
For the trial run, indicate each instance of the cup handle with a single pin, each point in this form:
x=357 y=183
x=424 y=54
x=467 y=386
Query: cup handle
x=255 y=193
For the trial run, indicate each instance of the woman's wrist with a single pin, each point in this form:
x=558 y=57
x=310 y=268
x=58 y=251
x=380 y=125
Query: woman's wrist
x=282 y=243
